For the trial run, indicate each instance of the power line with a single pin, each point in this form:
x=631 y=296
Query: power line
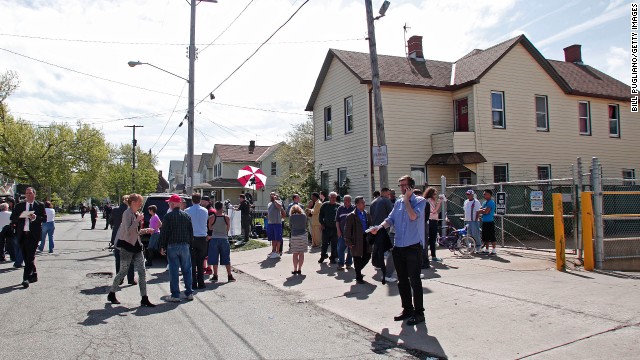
x=250 y=56
x=170 y=116
x=86 y=74
x=96 y=122
x=107 y=42
x=253 y=108
x=170 y=137
x=227 y=28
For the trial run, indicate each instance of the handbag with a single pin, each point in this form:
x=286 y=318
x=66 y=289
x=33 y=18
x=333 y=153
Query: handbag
x=154 y=241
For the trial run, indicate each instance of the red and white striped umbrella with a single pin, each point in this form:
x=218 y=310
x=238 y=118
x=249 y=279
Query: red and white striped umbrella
x=252 y=177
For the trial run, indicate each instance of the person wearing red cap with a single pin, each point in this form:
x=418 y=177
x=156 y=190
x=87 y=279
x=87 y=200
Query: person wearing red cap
x=176 y=238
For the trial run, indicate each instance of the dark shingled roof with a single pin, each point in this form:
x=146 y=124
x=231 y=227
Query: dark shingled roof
x=238 y=153
x=401 y=71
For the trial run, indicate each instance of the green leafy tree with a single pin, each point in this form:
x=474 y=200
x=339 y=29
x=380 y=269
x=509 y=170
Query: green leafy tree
x=300 y=177
x=119 y=172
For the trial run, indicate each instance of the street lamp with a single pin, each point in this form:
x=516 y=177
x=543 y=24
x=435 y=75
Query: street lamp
x=191 y=81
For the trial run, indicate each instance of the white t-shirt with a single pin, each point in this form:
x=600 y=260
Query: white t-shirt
x=51 y=214
x=468 y=215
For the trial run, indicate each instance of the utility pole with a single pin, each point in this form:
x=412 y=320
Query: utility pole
x=377 y=97
x=190 y=112
x=133 y=156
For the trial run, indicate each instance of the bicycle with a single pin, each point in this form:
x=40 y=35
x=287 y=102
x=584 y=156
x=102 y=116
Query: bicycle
x=458 y=240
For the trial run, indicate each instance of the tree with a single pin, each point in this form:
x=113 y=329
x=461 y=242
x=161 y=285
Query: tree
x=119 y=180
x=300 y=177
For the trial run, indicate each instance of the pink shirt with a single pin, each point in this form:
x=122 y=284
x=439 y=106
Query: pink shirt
x=154 y=223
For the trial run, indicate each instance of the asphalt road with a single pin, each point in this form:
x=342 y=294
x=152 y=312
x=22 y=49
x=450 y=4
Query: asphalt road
x=65 y=314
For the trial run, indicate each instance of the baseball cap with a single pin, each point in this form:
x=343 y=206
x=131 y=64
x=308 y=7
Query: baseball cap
x=470 y=192
x=175 y=198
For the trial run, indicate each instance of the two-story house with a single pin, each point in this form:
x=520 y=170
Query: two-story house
x=500 y=114
x=176 y=176
x=227 y=160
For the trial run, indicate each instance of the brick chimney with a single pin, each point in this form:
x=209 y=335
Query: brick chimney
x=414 y=46
x=573 y=54
x=252 y=146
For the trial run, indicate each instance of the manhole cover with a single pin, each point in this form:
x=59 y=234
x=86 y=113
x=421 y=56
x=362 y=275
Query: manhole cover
x=100 y=275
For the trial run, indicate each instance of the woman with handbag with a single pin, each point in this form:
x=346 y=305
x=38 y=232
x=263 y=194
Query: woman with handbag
x=130 y=245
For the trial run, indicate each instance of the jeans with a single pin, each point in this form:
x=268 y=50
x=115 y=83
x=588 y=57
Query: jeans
x=199 y=249
x=342 y=246
x=474 y=231
x=179 y=256
x=407 y=261
x=130 y=275
x=330 y=238
x=47 y=229
x=16 y=251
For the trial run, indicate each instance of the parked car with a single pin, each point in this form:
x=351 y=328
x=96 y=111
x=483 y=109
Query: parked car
x=160 y=201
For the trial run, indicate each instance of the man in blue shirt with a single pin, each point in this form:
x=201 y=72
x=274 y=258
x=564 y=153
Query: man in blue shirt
x=407 y=217
x=488 y=225
x=199 y=247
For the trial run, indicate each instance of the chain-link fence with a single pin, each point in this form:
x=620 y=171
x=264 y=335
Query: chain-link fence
x=620 y=218
x=528 y=219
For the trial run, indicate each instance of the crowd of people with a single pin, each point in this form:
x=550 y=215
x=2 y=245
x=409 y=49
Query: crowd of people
x=397 y=235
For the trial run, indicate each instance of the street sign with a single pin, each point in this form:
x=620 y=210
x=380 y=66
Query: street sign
x=380 y=157
x=501 y=203
x=536 y=201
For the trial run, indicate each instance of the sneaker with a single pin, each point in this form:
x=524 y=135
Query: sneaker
x=484 y=252
x=436 y=259
x=190 y=297
x=173 y=299
x=493 y=253
x=270 y=255
x=390 y=279
x=50 y=251
x=274 y=256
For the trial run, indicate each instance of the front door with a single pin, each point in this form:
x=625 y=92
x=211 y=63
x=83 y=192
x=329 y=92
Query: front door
x=462 y=115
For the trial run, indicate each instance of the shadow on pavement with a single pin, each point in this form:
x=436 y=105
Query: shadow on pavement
x=98 y=317
x=327 y=269
x=294 y=280
x=158 y=278
x=346 y=276
x=268 y=263
x=361 y=291
x=8 y=289
x=415 y=335
x=98 y=290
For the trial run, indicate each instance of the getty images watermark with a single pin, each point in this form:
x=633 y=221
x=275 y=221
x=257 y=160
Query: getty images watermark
x=634 y=57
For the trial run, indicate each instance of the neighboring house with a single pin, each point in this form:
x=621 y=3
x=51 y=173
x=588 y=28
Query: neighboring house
x=196 y=175
x=163 y=184
x=176 y=176
x=204 y=168
x=227 y=160
x=501 y=114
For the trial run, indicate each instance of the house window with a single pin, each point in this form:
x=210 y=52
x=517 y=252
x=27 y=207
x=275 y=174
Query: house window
x=544 y=172
x=584 y=118
x=464 y=177
x=497 y=109
x=500 y=173
x=542 y=114
x=418 y=174
x=348 y=115
x=274 y=168
x=342 y=175
x=614 y=121
x=328 y=129
x=628 y=177
x=324 y=180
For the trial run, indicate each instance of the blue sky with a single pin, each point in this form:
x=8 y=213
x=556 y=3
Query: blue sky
x=266 y=96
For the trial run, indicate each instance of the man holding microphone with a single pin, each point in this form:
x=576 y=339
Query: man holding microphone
x=407 y=217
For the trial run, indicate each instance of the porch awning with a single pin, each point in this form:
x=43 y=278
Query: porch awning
x=221 y=183
x=456 y=158
x=203 y=186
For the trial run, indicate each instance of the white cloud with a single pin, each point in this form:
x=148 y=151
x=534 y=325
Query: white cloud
x=618 y=64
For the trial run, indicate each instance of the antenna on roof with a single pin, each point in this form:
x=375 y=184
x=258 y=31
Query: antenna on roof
x=405 y=27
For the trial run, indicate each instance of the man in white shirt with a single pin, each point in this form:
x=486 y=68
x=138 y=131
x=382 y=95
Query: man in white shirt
x=471 y=207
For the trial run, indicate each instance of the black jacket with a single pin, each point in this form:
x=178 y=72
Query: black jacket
x=116 y=215
x=36 y=225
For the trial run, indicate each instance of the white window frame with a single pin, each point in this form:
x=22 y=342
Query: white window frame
x=588 y=118
x=323 y=185
x=422 y=169
x=617 y=120
x=328 y=123
x=341 y=179
x=545 y=113
x=274 y=168
x=501 y=110
x=506 y=166
x=542 y=166
x=628 y=177
x=348 y=114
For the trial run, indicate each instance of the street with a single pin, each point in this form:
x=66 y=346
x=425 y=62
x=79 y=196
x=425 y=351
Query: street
x=65 y=315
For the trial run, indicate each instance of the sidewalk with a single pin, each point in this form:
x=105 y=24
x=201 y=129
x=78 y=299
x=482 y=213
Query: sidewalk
x=512 y=306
